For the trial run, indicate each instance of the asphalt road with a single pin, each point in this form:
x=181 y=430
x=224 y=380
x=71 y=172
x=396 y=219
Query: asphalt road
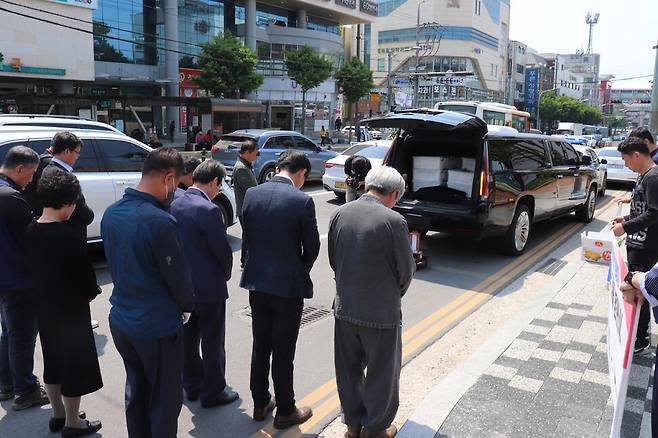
x=461 y=276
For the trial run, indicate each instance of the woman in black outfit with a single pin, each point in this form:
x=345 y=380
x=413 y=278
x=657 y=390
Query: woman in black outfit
x=64 y=283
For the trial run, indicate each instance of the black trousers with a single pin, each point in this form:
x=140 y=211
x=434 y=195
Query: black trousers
x=154 y=392
x=642 y=260
x=206 y=326
x=275 y=326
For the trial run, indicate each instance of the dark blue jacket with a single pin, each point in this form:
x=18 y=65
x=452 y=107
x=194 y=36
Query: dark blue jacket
x=205 y=245
x=15 y=216
x=152 y=284
x=281 y=238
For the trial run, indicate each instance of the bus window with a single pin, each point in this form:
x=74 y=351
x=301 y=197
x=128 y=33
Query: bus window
x=469 y=109
x=493 y=117
x=519 y=123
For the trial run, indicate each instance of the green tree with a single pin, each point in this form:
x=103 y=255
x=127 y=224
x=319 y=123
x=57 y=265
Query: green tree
x=355 y=81
x=309 y=70
x=228 y=67
x=617 y=124
x=567 y=109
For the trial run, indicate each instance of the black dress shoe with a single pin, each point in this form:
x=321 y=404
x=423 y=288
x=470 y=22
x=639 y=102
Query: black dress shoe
x=72 y=432
x=223 y=398
x=261 y=413
x=57 y=424
x=192 y=395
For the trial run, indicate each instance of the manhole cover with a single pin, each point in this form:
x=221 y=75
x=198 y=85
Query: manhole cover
x=310 y=314
x=552 y=267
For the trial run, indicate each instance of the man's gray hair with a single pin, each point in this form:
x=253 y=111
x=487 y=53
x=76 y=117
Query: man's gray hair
x=385 y=180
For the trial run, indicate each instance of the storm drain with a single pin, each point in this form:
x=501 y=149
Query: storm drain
x=310 y=314
x=552 y=267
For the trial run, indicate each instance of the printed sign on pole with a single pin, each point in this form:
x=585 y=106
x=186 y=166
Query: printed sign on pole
x=622 y=327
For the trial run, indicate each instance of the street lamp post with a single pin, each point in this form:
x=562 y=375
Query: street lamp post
x=653 y=122
x=420 y=2
x=539 y=102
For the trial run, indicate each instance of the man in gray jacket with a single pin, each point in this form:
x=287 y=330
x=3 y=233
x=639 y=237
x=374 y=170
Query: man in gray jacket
x=370 y=254
x=243 y=180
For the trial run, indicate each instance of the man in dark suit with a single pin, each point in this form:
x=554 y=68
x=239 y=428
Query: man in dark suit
x=282 y=241
x=65 y=149
x=203 y=235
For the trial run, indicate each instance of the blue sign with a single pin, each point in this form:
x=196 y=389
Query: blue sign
x=531 y=96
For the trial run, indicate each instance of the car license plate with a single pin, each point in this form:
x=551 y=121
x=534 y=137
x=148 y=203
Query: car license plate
x=341 y=185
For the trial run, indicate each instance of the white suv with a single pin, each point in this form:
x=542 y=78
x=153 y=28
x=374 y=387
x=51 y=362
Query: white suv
x=109 y=163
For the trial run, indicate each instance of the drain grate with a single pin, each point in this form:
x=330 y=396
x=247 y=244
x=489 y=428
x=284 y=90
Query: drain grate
x=310 y=314
x=552 y=267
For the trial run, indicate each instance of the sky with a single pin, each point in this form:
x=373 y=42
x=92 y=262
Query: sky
x=624 y=36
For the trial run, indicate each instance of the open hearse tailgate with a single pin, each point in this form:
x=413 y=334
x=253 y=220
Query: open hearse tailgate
x=431 y=119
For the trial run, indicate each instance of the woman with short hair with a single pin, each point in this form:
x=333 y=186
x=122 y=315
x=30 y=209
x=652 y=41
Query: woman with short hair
x=64 y=283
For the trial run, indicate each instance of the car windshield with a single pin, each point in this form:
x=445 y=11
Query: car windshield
x=356 y=148
x=377 y=152
x=228 y=141
x=610 y=153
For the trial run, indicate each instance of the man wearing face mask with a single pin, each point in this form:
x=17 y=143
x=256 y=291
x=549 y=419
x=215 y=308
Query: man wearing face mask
x=210 y=258
x=279 y=225
x=152 y=296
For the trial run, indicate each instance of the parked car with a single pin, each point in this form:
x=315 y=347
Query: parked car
x=41 y=121
x=617 y=170
x=108 y=164
x=271 y=144
x=462 y=178
x=373 y=133
x=599 y=166
x=333 y=179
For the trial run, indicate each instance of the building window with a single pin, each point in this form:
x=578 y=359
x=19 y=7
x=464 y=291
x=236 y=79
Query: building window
x=381 y=64
x=519 y=87
x=520 y=69
x=322 y=25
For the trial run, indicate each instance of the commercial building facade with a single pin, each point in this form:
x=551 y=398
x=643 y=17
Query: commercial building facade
x=134 y=70
x=463 y=43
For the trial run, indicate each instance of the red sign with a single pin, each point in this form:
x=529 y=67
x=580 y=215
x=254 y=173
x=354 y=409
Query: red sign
x=185 y=77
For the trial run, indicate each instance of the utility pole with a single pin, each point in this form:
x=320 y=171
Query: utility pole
x=653 y=124
x=420 y=2
x=389 y=90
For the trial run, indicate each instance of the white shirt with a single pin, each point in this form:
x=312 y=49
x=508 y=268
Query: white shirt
x=63 y=164
x=205 y=195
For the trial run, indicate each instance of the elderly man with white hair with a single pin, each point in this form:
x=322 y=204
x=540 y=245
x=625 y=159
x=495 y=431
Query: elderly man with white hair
x=370 y=254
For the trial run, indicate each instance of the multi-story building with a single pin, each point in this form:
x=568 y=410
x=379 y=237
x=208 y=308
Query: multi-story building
x=632 y=103
x=463 y=43
x=134 y=70
x=577 y=75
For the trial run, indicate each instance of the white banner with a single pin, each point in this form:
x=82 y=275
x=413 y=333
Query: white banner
x=622 y=327
x=88 y=4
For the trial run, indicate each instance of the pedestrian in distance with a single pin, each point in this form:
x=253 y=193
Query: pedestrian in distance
x=206 y=247
x=244 y=179
x=279 y=227
x=189 y=165
x=373 y=266
x=172 y=130
x=324 y=136
x=338 y=123
x=153 y=295
x=641 y=226
x=66 y=149
x=64 y=283
x=17 y=318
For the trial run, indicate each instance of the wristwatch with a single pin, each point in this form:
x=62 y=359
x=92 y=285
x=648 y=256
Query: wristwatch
x=629 y=277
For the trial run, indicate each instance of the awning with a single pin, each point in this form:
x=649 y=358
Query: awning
x=236 y=106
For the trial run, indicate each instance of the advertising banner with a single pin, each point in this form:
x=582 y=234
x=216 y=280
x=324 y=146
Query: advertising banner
x=531 y=96
x=89 y=4
x=622 y=327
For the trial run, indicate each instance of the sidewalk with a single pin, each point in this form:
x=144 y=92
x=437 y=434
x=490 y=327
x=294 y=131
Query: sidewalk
x=544 y=374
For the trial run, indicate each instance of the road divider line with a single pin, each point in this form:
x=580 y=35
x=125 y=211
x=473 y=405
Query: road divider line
x=417 y=335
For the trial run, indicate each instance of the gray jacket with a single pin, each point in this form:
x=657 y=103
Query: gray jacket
x=243 y=179
x=370 y=254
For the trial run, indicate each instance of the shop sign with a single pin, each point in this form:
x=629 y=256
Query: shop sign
x=186 y=75
x=347 y=3
x=450 y=80
x=87 y=4
x=369 y=7
x=98 y=92
x=105 y=104
x=16 y=66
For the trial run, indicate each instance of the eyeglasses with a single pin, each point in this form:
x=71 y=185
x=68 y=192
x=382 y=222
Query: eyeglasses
x=77 y=151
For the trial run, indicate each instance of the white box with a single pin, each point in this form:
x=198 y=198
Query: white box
x=461 y=180
x=468 y=164
x=596 y=246
x=420 y=183
x=438 y=163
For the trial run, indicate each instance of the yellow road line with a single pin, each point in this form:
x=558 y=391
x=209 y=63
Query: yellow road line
x=417 y=335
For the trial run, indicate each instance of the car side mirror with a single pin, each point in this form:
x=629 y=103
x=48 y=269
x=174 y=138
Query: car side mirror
x=604 y=161
x=587 y=161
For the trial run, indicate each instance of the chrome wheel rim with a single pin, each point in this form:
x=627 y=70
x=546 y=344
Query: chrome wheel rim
x=591 y=204
x=522 y=230
x=269 y=175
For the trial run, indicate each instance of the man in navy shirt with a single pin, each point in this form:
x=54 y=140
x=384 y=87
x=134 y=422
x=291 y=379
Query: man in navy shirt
x=152 y=296
x=647 y=139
